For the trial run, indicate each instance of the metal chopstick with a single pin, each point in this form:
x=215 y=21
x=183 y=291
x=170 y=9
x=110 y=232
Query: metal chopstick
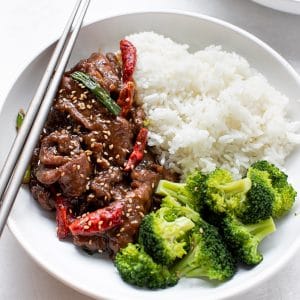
x=34 y=106
x=9 y=184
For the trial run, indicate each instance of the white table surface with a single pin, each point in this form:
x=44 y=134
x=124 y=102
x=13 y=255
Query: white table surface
x=26 y=27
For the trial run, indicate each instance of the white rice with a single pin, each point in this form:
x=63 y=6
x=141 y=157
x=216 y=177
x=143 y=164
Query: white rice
x=209 y=109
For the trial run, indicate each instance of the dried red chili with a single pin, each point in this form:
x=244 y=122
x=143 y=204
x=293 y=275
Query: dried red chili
x=126 y=98
x=63 y=217
x=128 y=53
x=98 y=221
x=138 y=150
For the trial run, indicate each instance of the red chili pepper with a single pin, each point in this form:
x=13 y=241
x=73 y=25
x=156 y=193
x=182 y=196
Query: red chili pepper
x=138 y=150
x=98 y=221
x=126 y=98
x=128 y=52
x=63 y=218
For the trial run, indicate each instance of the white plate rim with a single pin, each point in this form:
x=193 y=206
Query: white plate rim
x=82 y=289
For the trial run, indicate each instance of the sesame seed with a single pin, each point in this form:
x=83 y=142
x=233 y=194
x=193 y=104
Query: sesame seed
x=81 y=106
x=100 y=251
x=90 y=223
x=81 y=175
x=78 y=167
x=86 y=227
x=90 y=242
x=141 y=214
x=110 y=158
x=62 y=174
x=134 y=222
x=89 y=106
x=105 y=153
x=105 y=136
x=117 y=156
x=122 y=229
x=111 y=146
x=93 y=140
x=58 y=194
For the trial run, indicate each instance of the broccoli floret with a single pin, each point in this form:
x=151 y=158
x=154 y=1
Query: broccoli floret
x=285 y=194
x=223 y=194
x=207 y=257
x=243 y=240
x=138 y=268
x=189 y=193
x=163 y=234
x=259 y=199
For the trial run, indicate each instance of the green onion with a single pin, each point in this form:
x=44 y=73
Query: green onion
x=20 y=118
x=101 y=94
x=19 y=121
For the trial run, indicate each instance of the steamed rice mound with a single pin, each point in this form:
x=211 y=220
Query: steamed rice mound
x=209 y=109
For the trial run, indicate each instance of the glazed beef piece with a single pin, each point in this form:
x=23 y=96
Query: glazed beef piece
x=41 y=194
x=81 y=159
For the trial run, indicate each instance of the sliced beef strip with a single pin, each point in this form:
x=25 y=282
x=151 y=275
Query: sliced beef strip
x=75 y=175
x=41 y=194
x=56 y=148
x=104 y=182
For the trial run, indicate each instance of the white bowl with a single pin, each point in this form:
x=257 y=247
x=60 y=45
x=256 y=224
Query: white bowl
x=95 y=276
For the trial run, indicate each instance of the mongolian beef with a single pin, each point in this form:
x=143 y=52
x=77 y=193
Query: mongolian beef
x=92 y=163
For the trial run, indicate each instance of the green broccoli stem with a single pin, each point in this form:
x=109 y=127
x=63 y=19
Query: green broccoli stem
x=186 y=265
x=262 y=229
x=237 y=186
x=186 y=211
x=176 y=190
x=177 y=228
